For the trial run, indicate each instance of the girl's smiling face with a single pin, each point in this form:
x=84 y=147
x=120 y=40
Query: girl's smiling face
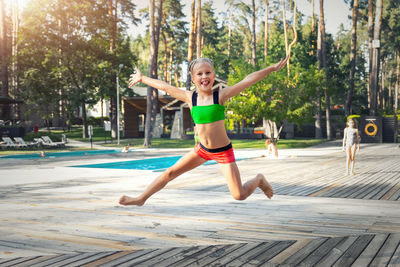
x=203 y=76
x=351 y=123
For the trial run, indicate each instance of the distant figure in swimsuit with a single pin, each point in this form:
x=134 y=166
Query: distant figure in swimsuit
x=271 y=148
x=208 y=113
x=126 y=148
x=350 y=138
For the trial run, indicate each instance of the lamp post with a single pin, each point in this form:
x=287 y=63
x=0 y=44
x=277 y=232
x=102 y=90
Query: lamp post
x=119 y=70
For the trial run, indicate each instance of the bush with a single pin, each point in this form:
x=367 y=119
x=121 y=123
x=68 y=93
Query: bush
x=96 y=121
x=54 y=137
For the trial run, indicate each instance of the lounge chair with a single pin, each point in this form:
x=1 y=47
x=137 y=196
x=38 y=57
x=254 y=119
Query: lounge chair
x=8 y=142
x=21 y=141
x=47 y=140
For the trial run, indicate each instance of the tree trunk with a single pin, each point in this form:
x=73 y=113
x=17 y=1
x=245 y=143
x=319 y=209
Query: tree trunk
x=285 y=30
x=155 y=66
x=152 y=94
x=374 y=78
x=253 y=34
x=147 y=130
x=3 y=59
x=318 y=130
x=229 y=33
x=370 y=38
x=382 y=95
x=84 y=120
x=112 y=13
x=353 y=53
x=14 y=66
x=294 y=39
x=323 y=65
x=396 y=89
x=191 y=44
x=266 y=30
x=165 y=56
x=313 y=29
x=198 y=29
x=170 y=67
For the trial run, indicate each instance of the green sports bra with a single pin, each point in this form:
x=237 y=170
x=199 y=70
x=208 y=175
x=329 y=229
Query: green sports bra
x=209 y=113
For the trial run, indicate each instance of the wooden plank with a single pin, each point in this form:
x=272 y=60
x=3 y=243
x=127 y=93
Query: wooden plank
x=321 y=251
x=113 y=256
x=325 y=189
x=331 y=257
x=13 y=261
x=226 y=259
x=368 y=254
x=139 y=260
x=82 y=257
x=250 y=256
x=280 y=246
x=221 y=251
x=51 y=261
x=386 y=252
x=185 y=253
x=304 y=252
x=198 y=256
x=352 y=253
x=88 y=258
x=380 y=186
x=285 y=254
x=391 y=192
x=29 y=261
x=395 y=260
x=153 y=261
x=395 y=196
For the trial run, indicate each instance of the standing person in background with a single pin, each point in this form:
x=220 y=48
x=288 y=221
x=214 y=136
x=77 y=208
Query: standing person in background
x=271 y=148
x=350 y=137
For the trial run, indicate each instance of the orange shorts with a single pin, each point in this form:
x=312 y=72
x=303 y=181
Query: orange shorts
x=221 y=155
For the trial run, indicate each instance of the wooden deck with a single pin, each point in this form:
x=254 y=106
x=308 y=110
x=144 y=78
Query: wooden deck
x=319 y=216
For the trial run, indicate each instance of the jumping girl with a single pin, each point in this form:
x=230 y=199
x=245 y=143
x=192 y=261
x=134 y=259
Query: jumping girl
x=350 y=137
x=208 y=113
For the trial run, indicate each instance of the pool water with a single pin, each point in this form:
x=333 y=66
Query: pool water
x=142 y=164
x=62 y=154
x=154 y=164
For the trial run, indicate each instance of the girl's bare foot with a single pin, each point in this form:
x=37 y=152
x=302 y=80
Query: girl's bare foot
x=266 y=187
x=125 y=200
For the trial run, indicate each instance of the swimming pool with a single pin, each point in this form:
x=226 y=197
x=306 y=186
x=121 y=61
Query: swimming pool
x=62 y=154
x=153 y=164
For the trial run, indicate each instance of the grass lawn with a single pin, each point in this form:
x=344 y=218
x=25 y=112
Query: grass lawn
x=98 y=137
x=38 y=150
x=237 y=143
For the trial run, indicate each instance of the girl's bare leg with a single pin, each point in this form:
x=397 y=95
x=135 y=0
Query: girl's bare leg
x=348 y=159
x=353 y=158
x=184 y=164
x=239 y=191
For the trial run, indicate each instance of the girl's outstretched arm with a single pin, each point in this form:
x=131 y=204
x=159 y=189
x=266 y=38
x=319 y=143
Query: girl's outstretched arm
x=251 y=79
x=173 y=91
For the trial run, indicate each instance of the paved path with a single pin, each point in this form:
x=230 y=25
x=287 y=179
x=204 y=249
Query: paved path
x=55 y=215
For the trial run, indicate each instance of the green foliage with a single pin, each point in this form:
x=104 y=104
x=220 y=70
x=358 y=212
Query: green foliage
x=64 y=58
x=97 y=121
x=277 y=97
x=53 y=136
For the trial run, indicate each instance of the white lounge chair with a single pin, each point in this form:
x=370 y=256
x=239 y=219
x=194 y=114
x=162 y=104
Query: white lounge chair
x=8 y=142
x=21 y=141
x=47 y=140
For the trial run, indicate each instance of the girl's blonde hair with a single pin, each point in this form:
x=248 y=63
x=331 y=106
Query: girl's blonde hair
x=199 y=60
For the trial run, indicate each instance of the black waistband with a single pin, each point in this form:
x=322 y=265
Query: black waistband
x=216 y=150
